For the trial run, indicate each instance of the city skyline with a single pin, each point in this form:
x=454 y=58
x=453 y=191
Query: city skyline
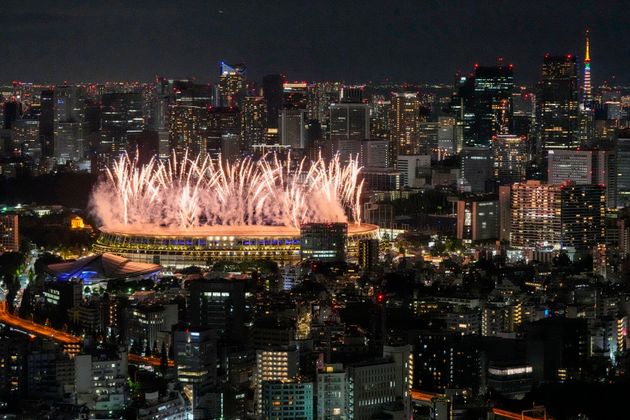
x=424 y=42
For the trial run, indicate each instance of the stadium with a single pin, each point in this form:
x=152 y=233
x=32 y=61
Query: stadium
x=196 y=211
x=213 y=243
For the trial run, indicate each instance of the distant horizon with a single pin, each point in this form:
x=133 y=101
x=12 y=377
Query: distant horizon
x=353 y=41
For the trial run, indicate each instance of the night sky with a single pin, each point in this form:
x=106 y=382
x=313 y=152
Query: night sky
x=415 y=41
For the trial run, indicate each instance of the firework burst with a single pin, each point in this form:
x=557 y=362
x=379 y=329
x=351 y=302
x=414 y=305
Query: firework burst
x=188 y=193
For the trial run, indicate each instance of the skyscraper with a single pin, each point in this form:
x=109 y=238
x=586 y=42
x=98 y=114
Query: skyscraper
x=272 y=92
x=253 y=121
x=405 y=121
x=349 y=126
x=486 y=101
x=231 y=83
x=557 y=104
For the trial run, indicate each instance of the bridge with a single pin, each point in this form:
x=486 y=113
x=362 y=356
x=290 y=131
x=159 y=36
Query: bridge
x=71 y=343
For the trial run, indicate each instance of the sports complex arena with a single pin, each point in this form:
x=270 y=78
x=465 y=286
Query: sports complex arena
x=204 y=245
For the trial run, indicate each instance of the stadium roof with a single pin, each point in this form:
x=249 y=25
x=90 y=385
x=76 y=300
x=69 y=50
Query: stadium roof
x=105 y=266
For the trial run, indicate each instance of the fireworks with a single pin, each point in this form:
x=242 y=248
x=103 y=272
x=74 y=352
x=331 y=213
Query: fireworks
x=188 y=193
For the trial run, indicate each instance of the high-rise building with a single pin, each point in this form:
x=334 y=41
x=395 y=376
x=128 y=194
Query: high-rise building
x=583 y=216
x=273 y=365
x=100 y=380
x=272 y=92
x=69 y=144
x=583 y=167
x=333 y=393
x=292 y=128
x=562 y=216
x=185 y=129
x=477 y=219
x=535 y=214
x=349 y=126
x=477 y=168
x=373 y=384
x=510 y=158
x=220 y=305
x=9 y=233
x=411 y=167
x=375 y=154
x=323 y=241
x=402 y=355
x=557 y=104
x=195 y=353
x=484 y=103
x=405 y=121
x=287 y=399
x=623 y=168
x=368 y=254
x=253 y=121
x=231 y=84
x=121 y=115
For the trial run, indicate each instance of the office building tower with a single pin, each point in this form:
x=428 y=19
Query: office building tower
x=404 y=125
x=483 y=103
x=220 y=305
x=557 y=104
x=195 y=353
x=477 y=219
x=477 y=168
x=148 y=325
x=323 y=241
x=295 y=95
x=273 y=365
x=583 y=216
x=272 y=92
x=368 y=254
x=381 y=180
x=349 y=126
x=100 y=380
x=333 y=393
x=47 y=122
x=292 y=128
x=25 y=138
x=9 y=233
x=69 y=144
x=375 y=154
x=373 y=384
x=185 y=129
x=411 y=168
x=623 y=168
x=570 y=165
x=352 y=94
x=584 y=167
x=287 y=399
x=557 y=348
x=402 y=356
x=231 y=84
x=320 y=96
x=121 y=115
x=444 y=359
x=510 y=158
x=253 y=121
x=446 y=145
x=219 y=123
